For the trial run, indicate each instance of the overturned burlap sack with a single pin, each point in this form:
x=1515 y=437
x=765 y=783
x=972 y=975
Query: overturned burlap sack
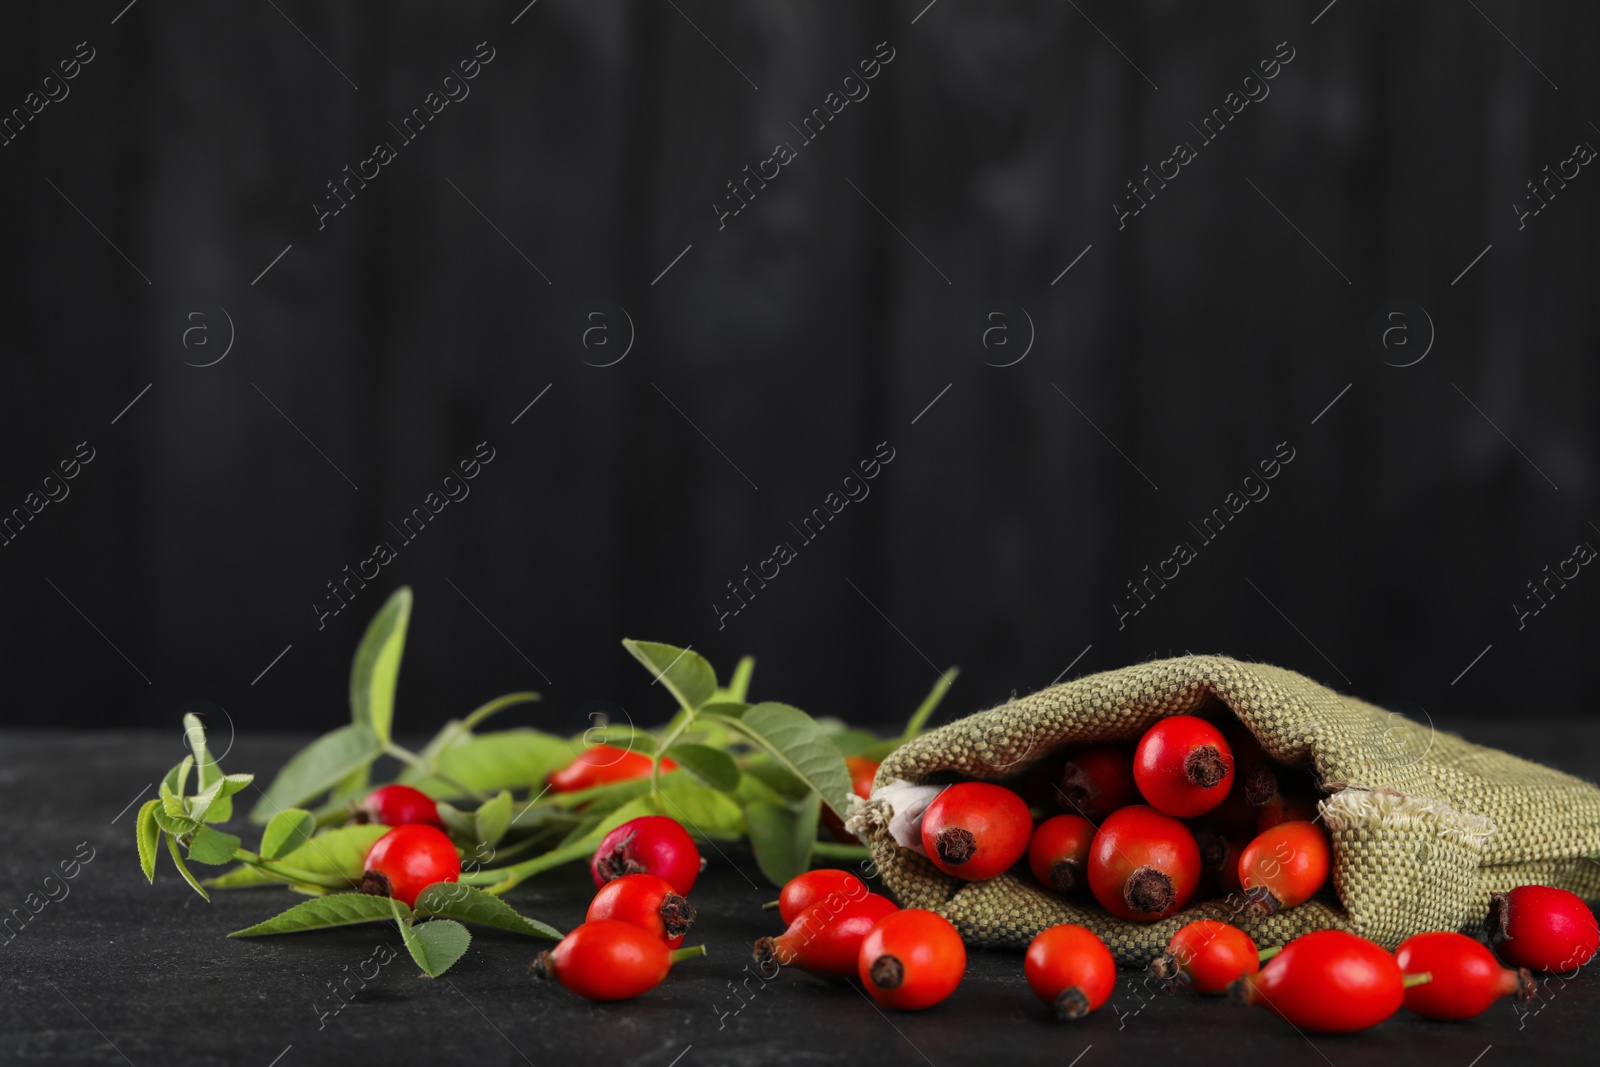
x=1424 y=825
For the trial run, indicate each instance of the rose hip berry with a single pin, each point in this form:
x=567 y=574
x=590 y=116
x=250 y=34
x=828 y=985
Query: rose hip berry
x=1282 y=807
x=976 y=830
x=610 y=960
x=602 y=765
x=804 y=890
x=1544 y=928
x=407 y=860
x=1329 y=981
x=1183 y=766
x=1058 y=852
x=650 y=844
x=1070 y=969
x=911 y=960
x=826 y=937
x=1208 y=956
x=645 y=901
x=862 y=774
x=399 y=805
x=1284 y=866
x=1466 y=976
x=1097 y=780
x=1219 y=861
x=1143 y=865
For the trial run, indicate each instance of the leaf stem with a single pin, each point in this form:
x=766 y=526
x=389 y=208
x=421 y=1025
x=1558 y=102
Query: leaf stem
x=289 y=874
x=579 y=849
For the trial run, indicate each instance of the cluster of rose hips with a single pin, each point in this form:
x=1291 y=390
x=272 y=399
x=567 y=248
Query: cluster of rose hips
x=909 y=959
x=1251 y=827
x=1331 y=981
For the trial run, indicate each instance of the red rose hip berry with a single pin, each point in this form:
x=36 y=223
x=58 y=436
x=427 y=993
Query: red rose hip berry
x=976 y=830
x=1208 y=956
x=650 y=844
x=1284 y=866
x=1097 y=780
x=645 y=901
x=911 y=960
x=1329 y=981
x=1058 y=852
x=1069 y=968
x=813 y=887
x=399 y=805
x=602 y=765
x=1183 y=766
x=407 y=860
x=1143 y=865
x=862 y=774
x=1466 y=978
x=1544 y=928
x=826 y=937
x=610 y=960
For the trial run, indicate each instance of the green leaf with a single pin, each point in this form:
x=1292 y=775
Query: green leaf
x=286 y=831
x=436 y=944
x=148 y=832
x=451 y=900
x=493 y=818
x=704 y=811
x=174 y=824
x=376 y=667
x=495 y=706
x=738 y=687
x=783 y=838
x=335 y=909
x=685 y=674
x=194 y=731
x=458 y=824
x=800 y=746
x=341 y=853
x=856 y=742
x=712 y=766
x=172 y=787
x=317 y=767
x=919 y=718
x=212 y=847
x=506 y=759
x=618 y=735
x=183 y=868
x=203 y=805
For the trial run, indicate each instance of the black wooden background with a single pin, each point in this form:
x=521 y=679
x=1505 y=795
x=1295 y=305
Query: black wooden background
x=773 y=354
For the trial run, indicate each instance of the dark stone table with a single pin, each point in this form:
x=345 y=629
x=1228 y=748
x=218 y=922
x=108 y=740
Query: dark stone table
x=116 y=971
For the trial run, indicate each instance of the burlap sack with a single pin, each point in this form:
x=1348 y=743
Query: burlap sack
x=1424 y=825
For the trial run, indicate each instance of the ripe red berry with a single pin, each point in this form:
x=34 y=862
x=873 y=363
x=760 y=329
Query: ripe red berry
x=1282 y=807
x=976 y=830
x=1208 y=956
x=1219 y=860
x=804 y=890
x=1466 y=978
x=399 y=805
x=1097 y=780
x=911 y=960
x=1058 y=852
x=610 y=960
x=1329 y=981
x=1183 y=766
x=650 y=844
x=1284 y=866
x=645 y=901
x=407 y=860
x=1143 y=865
x=602 y=765
x=1544 y=928
x=1070 y=969
x=825 y=937
x=862 y=774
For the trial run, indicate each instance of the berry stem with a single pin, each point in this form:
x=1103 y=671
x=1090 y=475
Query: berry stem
x=769 y=905
x=1268 y=953
x=1416 y=979
x=688 y=952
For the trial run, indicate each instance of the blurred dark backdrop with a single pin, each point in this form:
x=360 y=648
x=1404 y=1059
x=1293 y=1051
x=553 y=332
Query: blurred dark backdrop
x=779 y=350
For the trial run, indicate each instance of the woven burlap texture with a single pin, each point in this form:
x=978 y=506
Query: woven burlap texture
x=1424 y=824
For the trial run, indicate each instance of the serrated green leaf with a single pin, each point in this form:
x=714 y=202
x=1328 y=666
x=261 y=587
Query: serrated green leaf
x=702 y=810
x=783 y=838
x=221 y=789
x=317 y=768
x=505 y=759
x=335 y=909
x=738 y=686
x=341 y=853
x=685 y=674
x=376 y=667
x=919 y=718
x=148 y=833
x=852 y=742
x=183 y=869
x=800 y=746
x=458 y=824
x=436 y=944
x=286 y=831
x=712 y=766
x=452 y=900
x=172 y=787
x=221 y=808
x=212 y=847
x=194 y=731
x=493 y=818
x=173 y=824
